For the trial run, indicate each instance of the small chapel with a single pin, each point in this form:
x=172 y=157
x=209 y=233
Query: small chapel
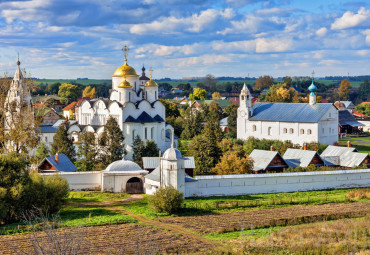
x=298 y=122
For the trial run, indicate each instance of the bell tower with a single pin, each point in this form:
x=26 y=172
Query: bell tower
x=245 y=108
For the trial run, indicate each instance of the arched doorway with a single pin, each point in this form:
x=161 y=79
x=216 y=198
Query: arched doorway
x=134 y=186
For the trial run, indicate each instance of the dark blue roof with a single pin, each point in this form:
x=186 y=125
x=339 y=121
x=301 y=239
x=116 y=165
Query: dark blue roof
x=289 y=112
x=47 y=129
x=64 y=164
x=144 y=118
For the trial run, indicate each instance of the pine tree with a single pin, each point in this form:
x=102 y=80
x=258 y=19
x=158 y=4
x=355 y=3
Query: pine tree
x=111 y=142
x=138 y=148
x=42 y=151
x=62 y=144
x=151 y=149
x=87 y=150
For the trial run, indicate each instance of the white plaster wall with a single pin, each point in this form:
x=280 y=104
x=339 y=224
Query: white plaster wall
x=222 y=185
x=81 y=180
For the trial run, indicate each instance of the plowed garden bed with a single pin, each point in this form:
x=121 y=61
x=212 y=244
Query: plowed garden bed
x=114 y=239
x=232 y=221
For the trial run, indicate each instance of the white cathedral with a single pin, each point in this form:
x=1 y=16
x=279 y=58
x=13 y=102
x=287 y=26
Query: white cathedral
x=298 y=122
x=133 y=102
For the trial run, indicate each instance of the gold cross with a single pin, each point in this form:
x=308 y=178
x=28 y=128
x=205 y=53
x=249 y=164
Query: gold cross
x=313 y=74
x=125 y=52
x=151 y=72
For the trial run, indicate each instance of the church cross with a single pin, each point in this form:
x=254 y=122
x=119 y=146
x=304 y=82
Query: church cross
x=125 y=52
x=313 y=74
x=151 y=72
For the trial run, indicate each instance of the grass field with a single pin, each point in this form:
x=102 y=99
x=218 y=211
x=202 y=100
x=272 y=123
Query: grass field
x=94 y=196
x=364 y=148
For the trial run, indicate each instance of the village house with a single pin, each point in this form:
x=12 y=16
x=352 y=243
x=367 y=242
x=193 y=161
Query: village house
x=345 y=105
x=347 y=123
x=57 y=163
x=267 y=161
x=345 y=156
x=302 y=158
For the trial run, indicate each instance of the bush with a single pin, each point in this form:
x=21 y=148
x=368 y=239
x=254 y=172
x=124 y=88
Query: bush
x=166 y=199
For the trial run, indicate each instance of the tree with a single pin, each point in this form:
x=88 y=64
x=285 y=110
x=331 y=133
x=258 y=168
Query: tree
x=62 y=144
x=364 y=90
x=198 y=94
x=87 y=151
x=111 y=142
x=151 y=149
x=210 y=82
x=364 y=109
x=288 y=81
x=344 y=89
x=138 y=148
x=166 y=199
x=53 y=88
x=233 y=164
x=68 y=93
x=42 y=151
x=264 y=82
x=206 y=153
x=232 y=114
x=89 y=92
x=216 y=95
x=171 y=108
x=281 y=93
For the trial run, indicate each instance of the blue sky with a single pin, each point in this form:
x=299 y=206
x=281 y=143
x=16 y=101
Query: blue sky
x=83 y=38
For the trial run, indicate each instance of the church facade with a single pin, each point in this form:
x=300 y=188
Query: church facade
x=298 y=122
x=134 y=103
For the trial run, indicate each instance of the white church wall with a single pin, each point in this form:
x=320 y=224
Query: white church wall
x=224 y=185
x=159 y=109
x=81 y=180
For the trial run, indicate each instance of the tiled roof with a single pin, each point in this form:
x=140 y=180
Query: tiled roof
x=296 y=157
x=64 y=163
x=70 y=106
x=289 y=112
x=346 y=118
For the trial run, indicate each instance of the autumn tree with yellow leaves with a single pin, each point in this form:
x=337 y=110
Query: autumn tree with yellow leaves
x=233 y=164
x=89 y=92
x=344 y=89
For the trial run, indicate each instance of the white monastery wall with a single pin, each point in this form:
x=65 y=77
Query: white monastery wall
x=226 y=185
x=81 y=180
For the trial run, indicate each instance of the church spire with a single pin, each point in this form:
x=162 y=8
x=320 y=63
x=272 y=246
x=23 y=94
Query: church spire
x=312 y=88
x=125 y=50
x=18 y=73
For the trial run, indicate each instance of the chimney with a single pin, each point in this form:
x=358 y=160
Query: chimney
x=272 y=148
x=57 y=158
x=305 y=146
x=348 y=144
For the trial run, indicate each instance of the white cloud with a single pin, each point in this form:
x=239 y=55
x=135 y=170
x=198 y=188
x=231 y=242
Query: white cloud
x=363 y=53
x=350 y=19
x=194 y=23
x=264 y=45
x=24 y=10
x=367 y=34
x=322 y=31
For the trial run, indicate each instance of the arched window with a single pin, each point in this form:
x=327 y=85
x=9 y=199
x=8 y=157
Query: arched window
x=162 y=134
x=285 y=130
x=302 y=131
x=133 y=135
x=129 y=96
x=247 y=97
x=291 y=131
x=269 y=131
x=46 y=139
x=155 y=95
x=146 y=95
x=146 y=134
x=242 y=97
x=309 y=132
x=152 y=133
x=254 y=128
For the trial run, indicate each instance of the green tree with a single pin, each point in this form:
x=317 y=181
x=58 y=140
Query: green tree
x=364 y=90
x=232 y=113
x=151 y=149
x=69 y=93
x=42 y=151
x=192 y=123
x=210 y=82
x=166 y=199
x=89 y=92
x=264 y=82
x=111 y=142
x=87 y=151
x=344 y=89
x=62 y=144
x=288 y=81
x=171 y=108
x=138 y=148
x=198 y=94
x=364 y=109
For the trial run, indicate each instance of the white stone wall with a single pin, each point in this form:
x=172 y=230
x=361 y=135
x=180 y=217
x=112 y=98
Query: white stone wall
x=226 y=185
x=81 y=180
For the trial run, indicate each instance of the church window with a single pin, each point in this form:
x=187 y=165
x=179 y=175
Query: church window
x=302 y=131
x=155 y=92
x=254 y=128
x=269 y=131
x=323 y=130
x=309 y=132
x=146 y=134
x=46 y=139
x=291 y=131
x=247 y=97
x=285 y=130
x=162 y=134
x=129 y=96
x=133 y=135
x=152 y=133
x=242 y=97
x=146 y=95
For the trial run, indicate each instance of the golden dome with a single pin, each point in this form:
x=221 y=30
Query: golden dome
x=151 y=83
x=125 y=84
x=125 y=70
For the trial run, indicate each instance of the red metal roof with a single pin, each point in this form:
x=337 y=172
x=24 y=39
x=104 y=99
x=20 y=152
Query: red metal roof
x=70 y=106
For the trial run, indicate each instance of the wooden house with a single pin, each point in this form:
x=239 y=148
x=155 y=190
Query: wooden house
x=267 y=161
x=302 y=158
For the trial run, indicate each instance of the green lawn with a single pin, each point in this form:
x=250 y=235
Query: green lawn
x=209 y=205
x=94 y=196
x=364 y=148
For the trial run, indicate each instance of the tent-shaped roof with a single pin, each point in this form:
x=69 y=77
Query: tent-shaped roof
x=296 y=157
x=263 y=158
x=346 y=118
x=64 y=164
x=334 y=155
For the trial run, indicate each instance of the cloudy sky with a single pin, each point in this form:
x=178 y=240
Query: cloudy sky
x=181 y=38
